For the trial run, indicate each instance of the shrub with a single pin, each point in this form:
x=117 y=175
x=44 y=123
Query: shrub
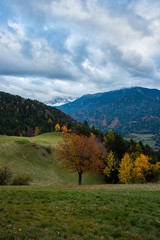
x=22 y=180
x=49 y=149
x=5 y=175
x=35 y=145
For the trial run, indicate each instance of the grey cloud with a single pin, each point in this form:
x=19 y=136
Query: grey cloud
x=90 y=47
x=131 y=61
x=139 y=24
x=135 y=64
x=80 y=53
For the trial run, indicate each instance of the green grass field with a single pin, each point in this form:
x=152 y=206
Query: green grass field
x=55 y=208
x=24 y=158
x=95 y=212
x=145 y=138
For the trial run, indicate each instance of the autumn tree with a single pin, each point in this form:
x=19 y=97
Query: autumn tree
x=142 y=168
x=116 y=143
x=110 y=170
x=137 y=170
x=126 y=169
x=36 y=132
x=64 y=129
x=50 y=121
x=57 y=128
x=80 y=154
x=92 y=135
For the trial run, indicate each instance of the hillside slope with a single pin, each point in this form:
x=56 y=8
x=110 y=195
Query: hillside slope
x=133 y=110
x=21 y=116
x=29 y=156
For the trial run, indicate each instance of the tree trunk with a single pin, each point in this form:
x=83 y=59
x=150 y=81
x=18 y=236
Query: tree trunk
x=79 y=178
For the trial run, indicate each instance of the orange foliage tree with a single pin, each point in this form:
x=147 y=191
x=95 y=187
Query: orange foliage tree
x=57 y=128
x=92 y=135
x=80 y=154
x=64 y=129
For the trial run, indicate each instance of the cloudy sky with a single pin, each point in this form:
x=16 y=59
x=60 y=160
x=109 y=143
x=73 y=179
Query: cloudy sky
x=73 y=47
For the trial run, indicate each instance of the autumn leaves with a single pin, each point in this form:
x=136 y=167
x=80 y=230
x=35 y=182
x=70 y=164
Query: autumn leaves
x=138 y=170
x=81 y=154
x=63 y=128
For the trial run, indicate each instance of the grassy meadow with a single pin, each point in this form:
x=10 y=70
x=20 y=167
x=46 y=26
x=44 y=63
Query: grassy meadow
x=145 y=138
x=86 y=212
x=55 y=208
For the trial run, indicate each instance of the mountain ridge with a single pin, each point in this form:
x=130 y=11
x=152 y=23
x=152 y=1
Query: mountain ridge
x=128 y=110
x=58 y=101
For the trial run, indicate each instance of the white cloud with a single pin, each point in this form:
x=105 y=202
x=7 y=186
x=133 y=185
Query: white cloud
x=73 y=47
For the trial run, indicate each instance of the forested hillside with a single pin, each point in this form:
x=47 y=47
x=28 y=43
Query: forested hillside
x=19 y=116
x=133 y=110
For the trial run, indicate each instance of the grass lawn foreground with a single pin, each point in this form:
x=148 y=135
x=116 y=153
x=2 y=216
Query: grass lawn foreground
x=54 y=207
x=86 y=212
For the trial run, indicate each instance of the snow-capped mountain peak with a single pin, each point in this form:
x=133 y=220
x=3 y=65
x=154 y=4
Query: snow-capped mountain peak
x=58 y=101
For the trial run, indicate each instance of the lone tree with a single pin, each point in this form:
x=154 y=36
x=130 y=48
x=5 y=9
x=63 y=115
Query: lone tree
x=80 y=154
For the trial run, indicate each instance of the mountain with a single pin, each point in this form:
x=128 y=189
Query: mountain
x=58 y=101
x=130 y=110
x=19 y=116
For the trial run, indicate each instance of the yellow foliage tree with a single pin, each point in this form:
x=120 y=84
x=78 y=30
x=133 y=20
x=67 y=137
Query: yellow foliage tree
x=64 y=129
x=157 y=165
x=126 y=169
x=57 y=127
x=49 y=120
x=142 y=167
x=36 y=132
x=111 y=164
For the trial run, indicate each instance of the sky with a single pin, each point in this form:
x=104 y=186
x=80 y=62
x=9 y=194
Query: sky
x=52 y=48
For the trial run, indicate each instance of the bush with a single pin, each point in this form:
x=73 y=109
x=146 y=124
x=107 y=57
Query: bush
x=49 y=149
x=5 y=175
x=22 y=180
x=35 y=145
